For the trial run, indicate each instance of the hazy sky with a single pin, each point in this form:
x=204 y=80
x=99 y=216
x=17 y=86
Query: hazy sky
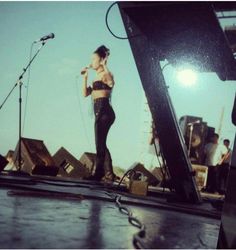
x=56 y=111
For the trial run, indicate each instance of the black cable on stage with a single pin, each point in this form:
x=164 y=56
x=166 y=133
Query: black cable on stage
x=131 y=171
x=106 y=20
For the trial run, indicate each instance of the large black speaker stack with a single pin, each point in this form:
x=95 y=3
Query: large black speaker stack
x=201 y=134
x=89 y=161
x=36 y=159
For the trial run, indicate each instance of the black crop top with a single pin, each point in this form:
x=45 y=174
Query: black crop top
x=98 y=85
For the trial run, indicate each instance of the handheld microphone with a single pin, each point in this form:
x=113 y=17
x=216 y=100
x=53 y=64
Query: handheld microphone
x=50 y=36
x=84 y=70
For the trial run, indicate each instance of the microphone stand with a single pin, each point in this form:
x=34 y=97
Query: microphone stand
x=20 y=83
x=190 y=138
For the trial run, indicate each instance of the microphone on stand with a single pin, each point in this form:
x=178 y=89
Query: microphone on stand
x=191 y=134
x=50 y=36
x=192 y=123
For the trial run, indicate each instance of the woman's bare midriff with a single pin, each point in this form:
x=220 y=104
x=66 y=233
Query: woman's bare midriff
x=100 y=93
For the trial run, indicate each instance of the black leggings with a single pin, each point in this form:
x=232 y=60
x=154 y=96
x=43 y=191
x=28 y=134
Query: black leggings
x=104 y=118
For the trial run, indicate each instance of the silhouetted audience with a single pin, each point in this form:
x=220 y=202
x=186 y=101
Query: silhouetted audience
x=214 y=153
x=224 y=167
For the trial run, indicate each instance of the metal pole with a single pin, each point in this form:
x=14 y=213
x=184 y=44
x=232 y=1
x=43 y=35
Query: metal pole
x=20 y=108
x=190 y=138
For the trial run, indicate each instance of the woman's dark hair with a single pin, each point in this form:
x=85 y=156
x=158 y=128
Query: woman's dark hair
x=102 y=51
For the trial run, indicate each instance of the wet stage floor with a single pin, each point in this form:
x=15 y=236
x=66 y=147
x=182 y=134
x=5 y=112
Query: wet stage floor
x=72 y=216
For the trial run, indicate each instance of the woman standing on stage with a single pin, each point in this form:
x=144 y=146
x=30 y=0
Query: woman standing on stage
x=104 y=114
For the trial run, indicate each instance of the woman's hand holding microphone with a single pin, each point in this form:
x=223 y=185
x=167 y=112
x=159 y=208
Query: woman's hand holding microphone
x=84 y=71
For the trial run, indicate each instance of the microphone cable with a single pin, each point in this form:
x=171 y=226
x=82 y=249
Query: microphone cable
x=81 y=113
x=27 y=88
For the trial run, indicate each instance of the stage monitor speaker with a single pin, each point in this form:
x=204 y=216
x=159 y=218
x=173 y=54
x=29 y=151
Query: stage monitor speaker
x=89 y=161
x=3 y=162
x=68 y=165
x=36 y=159
x=45 y=170
x=198 y=139
x=139 y=168
x=210 y=133
x=160 y=173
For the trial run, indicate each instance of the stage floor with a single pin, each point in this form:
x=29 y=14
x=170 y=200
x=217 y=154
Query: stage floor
x=45 y=213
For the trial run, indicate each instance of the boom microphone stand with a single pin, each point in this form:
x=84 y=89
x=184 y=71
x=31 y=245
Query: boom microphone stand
x=20 y=83
x=191 y=124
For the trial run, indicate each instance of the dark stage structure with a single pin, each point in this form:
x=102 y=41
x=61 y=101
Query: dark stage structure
x=41 y=205
x=182 y=33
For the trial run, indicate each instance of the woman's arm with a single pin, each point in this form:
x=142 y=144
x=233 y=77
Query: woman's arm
x=86 y=91
x=108 y=76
